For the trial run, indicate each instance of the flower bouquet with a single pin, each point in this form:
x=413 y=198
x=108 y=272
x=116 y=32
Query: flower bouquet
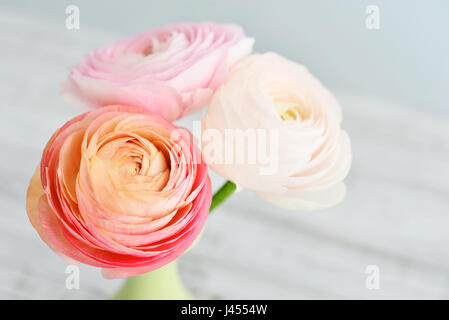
x=122 y=188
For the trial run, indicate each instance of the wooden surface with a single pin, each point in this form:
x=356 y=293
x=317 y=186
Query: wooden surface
x=395 y=216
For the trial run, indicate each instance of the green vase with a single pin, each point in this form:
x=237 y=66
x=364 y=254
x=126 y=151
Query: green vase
x=161 y=284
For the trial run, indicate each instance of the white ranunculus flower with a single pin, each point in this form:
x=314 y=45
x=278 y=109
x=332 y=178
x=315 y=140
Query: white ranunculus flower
x=309 y=154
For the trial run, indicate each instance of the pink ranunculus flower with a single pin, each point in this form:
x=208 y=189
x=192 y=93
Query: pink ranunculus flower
x=308 y=151
x=121 y=189
x=171 y=71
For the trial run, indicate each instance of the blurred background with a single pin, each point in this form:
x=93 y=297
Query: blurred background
x=393 y=84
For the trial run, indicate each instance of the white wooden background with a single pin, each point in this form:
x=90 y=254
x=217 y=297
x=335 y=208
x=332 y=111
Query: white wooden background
x=395 y=216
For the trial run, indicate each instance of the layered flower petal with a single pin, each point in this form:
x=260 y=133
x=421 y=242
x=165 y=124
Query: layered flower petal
x=284 y=126
x=121 y=189
x=176 y=66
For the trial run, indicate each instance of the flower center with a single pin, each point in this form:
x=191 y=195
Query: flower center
x=163 y=43
x=288 y=104
x=290 y=107
x=131 y=163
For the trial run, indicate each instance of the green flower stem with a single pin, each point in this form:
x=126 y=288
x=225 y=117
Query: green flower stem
x=222 y=194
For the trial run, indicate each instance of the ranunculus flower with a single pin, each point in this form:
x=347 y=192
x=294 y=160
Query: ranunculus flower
x=121 y=189
x=308 y=150
x=171 y=71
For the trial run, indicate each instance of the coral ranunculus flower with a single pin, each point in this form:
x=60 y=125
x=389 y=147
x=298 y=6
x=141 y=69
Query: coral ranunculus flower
x=177 y=66
x=121 y=189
